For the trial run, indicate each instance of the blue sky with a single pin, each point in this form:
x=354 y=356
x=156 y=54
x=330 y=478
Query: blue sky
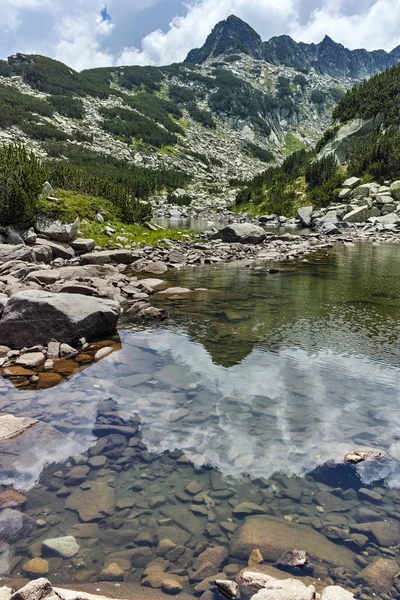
x=89 y=33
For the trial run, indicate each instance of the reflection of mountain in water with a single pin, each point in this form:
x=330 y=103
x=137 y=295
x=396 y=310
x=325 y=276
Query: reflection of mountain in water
x=346 y=301
x=309 y=370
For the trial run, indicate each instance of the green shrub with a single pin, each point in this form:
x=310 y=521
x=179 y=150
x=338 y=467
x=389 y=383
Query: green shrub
x=184 y=200
x=16 y=108
x=318 y=97
x=377 y=156
x=204 y=117
x=128 y=124
x=68 y=106
x=327 y=137
x=181 y=95
x=301 y=81
x=380 y=94
x=43 y=131
x=21 y=181
x=320 y=171
x=258 y=152
x=156 y=109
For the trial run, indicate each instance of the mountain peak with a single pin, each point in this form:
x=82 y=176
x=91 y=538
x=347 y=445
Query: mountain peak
x=230 y=36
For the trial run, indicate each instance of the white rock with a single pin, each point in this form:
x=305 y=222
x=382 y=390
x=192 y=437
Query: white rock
x=30 y=359
x=335 y=592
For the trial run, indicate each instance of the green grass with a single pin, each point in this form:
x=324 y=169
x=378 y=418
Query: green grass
x=134 y=233
x=292 y=144
x=72 y=205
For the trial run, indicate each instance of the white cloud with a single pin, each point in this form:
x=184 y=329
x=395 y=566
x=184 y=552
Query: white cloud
x=374 y=27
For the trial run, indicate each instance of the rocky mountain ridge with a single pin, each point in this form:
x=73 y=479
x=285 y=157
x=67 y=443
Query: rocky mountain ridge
x=235 y=36
x=254 y=113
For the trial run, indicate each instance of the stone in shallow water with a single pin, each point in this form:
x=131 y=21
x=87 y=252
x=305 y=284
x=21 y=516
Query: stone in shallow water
x=247 y=508
x=193 y=488
x=11 y=499
x=383 y=533
x=274 y=536
x=30 y=359
x=92 y=504
x=286 y=589
x=15 y=525
x=379 y=574
x=36 y=566
x=66 y=546
x=112 y=572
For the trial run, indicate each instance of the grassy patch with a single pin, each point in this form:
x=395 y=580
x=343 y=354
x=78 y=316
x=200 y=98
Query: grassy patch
x=72 y=205
x=134 y=233
x=292 y=144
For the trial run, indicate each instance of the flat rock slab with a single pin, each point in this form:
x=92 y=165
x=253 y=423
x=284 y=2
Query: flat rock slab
x=12 y=427
x=34 y=317
x=274 y=536
x=106 y=257
x=92 y=504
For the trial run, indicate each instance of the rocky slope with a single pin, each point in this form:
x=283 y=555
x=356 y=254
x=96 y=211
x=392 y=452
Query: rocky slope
x=227 y=118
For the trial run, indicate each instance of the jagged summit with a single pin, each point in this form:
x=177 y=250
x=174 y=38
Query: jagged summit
x=235 y=36
x=229 y=36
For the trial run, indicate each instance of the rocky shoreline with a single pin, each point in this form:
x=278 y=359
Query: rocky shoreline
x=91 y=281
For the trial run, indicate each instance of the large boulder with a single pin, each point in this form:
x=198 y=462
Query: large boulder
x=245 y=233
x=304 y=215
x=395 y=190
x=36 y=317
x=21 y=252
x=56 y=230
x=358 y=215
x=59 y=249
x=274 y=536
x=389 y=219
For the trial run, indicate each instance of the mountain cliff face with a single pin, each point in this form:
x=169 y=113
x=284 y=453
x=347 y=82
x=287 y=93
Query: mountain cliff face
x=328 y=57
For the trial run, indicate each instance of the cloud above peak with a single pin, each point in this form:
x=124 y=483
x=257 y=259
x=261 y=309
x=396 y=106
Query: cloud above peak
x=155 y=32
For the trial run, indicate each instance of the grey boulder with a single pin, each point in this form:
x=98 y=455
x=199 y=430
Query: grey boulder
x=36 y=317
x=244 y=233
x=304 y=215
x=56 y=230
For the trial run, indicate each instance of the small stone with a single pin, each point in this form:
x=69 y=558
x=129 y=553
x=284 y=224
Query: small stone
x=66 y=547
x=246 y=509
x=171 y=586
x=227 y=588
x=11 y=499
x=255 y=558
x=164 y=546
x=36 y=566
x=97 y=462
x=103 y=352
x=66 y=351
x=112 y=572
x=193 y=488
x=369 y=495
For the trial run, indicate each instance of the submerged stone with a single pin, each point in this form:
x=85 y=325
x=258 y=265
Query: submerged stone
x=273 y=537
